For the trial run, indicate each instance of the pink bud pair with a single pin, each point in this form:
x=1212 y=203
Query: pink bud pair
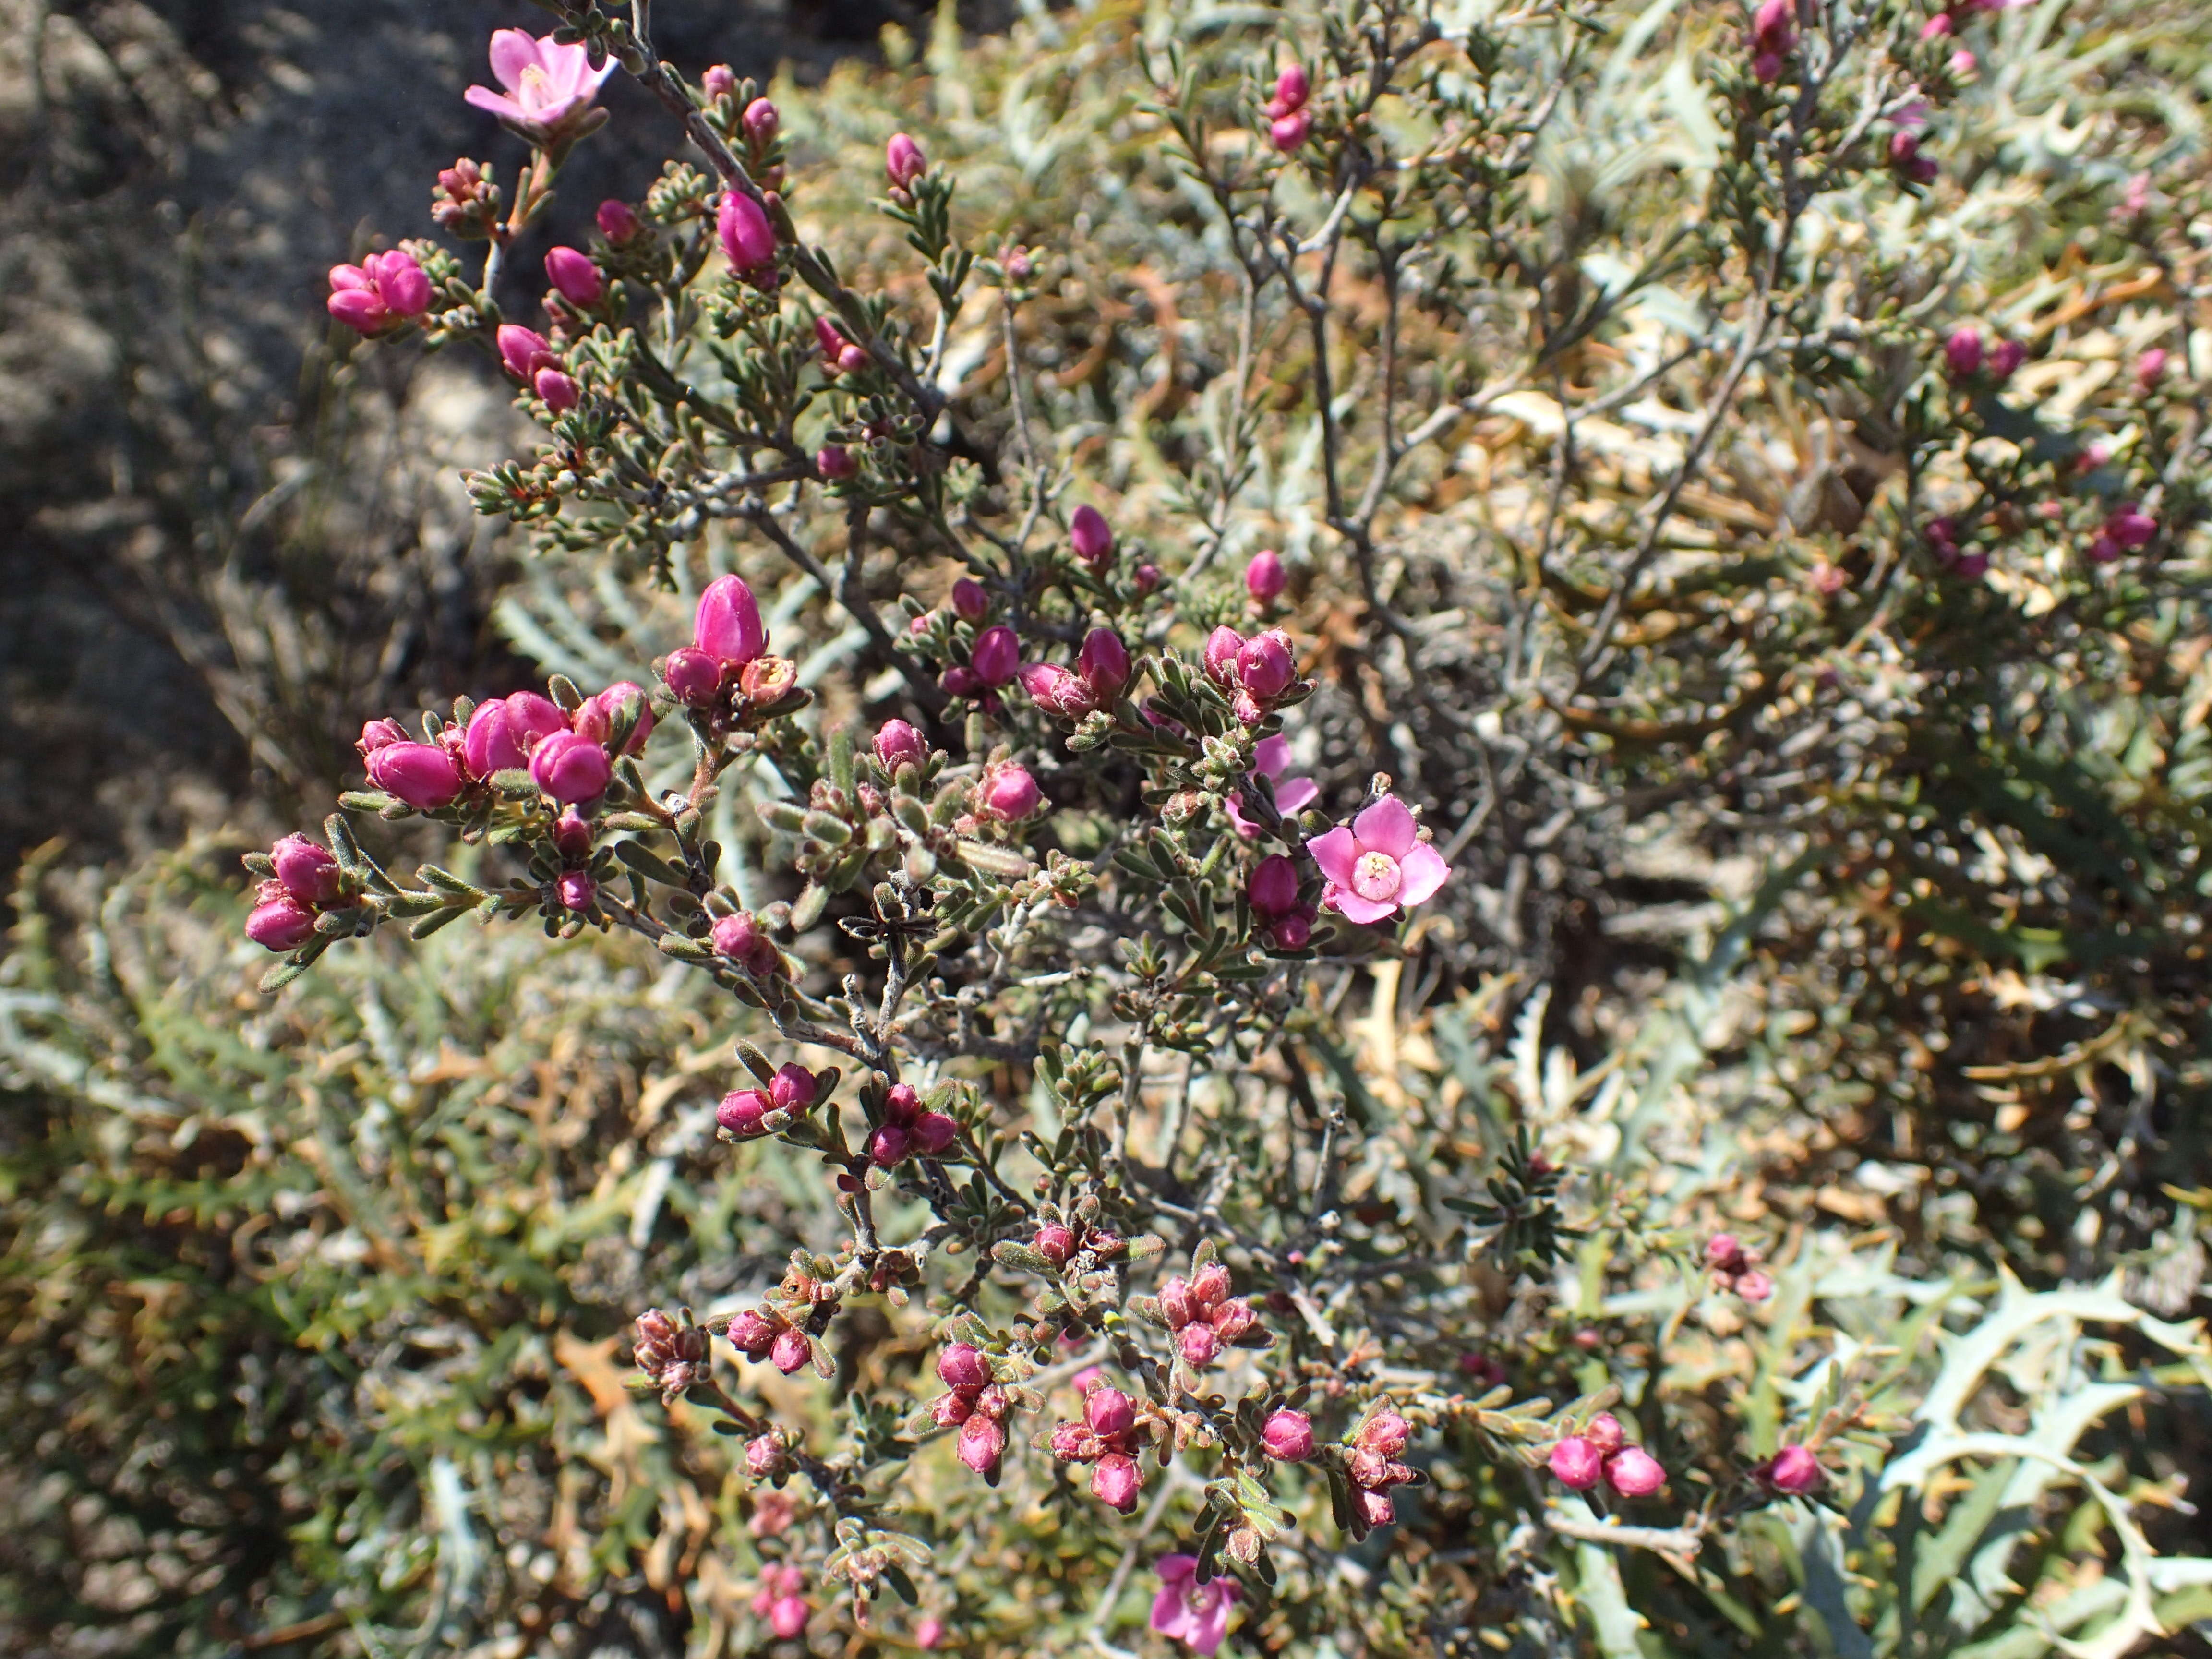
x=1273 y=893
x=379 y=292
x=840 y=355
x=625 y=699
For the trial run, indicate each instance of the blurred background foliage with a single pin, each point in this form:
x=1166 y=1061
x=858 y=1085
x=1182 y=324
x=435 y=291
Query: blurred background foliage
x=1867 y=920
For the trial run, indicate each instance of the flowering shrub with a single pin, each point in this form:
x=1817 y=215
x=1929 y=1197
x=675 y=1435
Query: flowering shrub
x=1115 y=1264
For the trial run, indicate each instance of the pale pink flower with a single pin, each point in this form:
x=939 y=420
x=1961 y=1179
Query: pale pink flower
x=1188 y=1612
x=1271 y=758
x=550 y=86
x=1377 y=863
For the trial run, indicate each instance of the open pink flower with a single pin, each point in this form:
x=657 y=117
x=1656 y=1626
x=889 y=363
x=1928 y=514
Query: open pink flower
x=1271 y=758
x=1377 y=863
x=550 y=86
x=1188 y=1612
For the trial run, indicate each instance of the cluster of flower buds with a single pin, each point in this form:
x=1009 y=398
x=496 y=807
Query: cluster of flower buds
x=728 y=649
x=765 y=1334
x=900 y=744
x=301 y=880
x=2125 y=527
x=1290 y=123
x=1373 y=1467
x=1601 y=1451
x=976 y=1404
x=567 y=756
x=1773 y=37
x=1202 y=1318
x=767 y=1457
x=1793 y=1471
x=381 y=293
x=673 y=1354
x=793 y=1090
x=1090 y=536
x=1265 y=577
x=779 y=1601
x=1734 y=1268
x=574 y=278
x=529 y=356
x=1102 y=670
x=1255 y=672
x=903 y=167
x=908 y=1131
x=1271 y=758
x=1377 y=864
x=994 y=660
x=1060 y=1242
x=1273 y=893
x=1965 y=357
x=1108 y=1438
x=465 y=203
x=548 y=89
x=740 y=937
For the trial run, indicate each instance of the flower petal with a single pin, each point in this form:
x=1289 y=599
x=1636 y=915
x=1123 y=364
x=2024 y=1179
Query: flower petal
x=1295 y=795
x=514 y=51
x=1353 y=908
x=498 y=103
x=1177 y=1567
x=1423 y=871
x=1170 y=1613
x=1210 y=1624
x=1386 y=827
x=1336 y=853
x=1271 y=757
x=1243 y=826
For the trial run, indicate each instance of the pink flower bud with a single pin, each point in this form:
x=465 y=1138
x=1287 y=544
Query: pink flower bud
x=617 y=223
x=765 y=1456
x=997 y=655
x=1231 y=1320
x=761 y=119
x=1008 y=793
x=379 y=734
x=898 y=743
x=949 y=1410
x=983 y=1441
x=2150 y=369
x=1375 y=1508
x=1054 y=1243
x=572 y=836
x=1937 y=27
x=2103 y=550
x=790 y=1352
x=1634 y=1473
x=282 y=923
x=1071 y=1442
x=1148 y=577
x=1103 y=663
x=692 y=675
x=752 y=1334
x=1794 y=1470
x=742 y=1110
x=1962 y=353
x=787 y=1616
x=1209 y=1287
x=1576 y=1464
x=1605 y=1433
x=2132 y=526
x=577 y=889
x=1056 y=691
x=1109 y=1413
x=1292 y=90
x=309 y=872
x=1116 y=1481
x=2005 y=357
x=1291 y=131
x=1197 y=1343
x=748 y=238
x=1088 y=534
x=570 y=768
x=1385 y=1433
x=596 y=718
x=1265 y=666
x=422 y=775
x=933 y=1132
x=402 y=283
x=963 y=1366
x=1017 y=264
x=1221 y=646
x=1724 y=1251
x=503 y=733
x=835 y=464
x=557 y=391
x=719 y=82
x=903 y=161
x=1289 y=1437
x=793 y=1090
x=1175 y=1303
x=727 y=626
x=1754 y=1285
x=1265 y=578
x=574 y=278
x=970 y=603
x=1962 y=63
x=524 y=350
x=737 y=936
x=887 y=1147
x=928 y=1632
x=1273 y=888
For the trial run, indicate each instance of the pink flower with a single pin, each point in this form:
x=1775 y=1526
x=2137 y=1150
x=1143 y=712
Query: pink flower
x=898 y=743
x=997 y=655
x=525 y=350
x=719 y=82
x=372 y=296
x=280 y=922
x=1288 y=1435
x=550 y=86
x=888 y=1146
x=1794 y=1470
x=793 y=1088
x=928 y=1632
x=1089 y=534
x=903 y=161
x=570 y=768
x=787 y=1616
x=1634 y=1473
x=1265 y=578
x=1222 y=645
x=574 y=278
x=1057 y=690
x=1271 y=758
x=1376 y=864
x=1289 y=131
x=1576 y=1464
x=835 y=464
x=309 y=872
x=727 y=625
x=502 y=734
x=748 y=238
x=2130 y=526
x=1188 y=1612
x=422 y=775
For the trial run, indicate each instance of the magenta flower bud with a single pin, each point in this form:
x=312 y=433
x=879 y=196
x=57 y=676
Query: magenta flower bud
x=1054 y=1243
x=852 y=359
x=572 y=834
x=959 y=682
x=1794 y=1470
x=887 y=1147
x=1293 y=932
x=961 y=1365
x=1116 y=1481
x=902 y=1104
x=983 y=1441
x=558 y=391
x=787 y=1615
x=997 y=655
x=692 y=675
x=831 y=339
x=1109 y=1413
x=1221 y=648
x=282 y=923
x=748 y=238
x=2006 y=356
x=970 y=603
x=1605 y=1433
x=1175 y=1303
x=1148 y=577
x=617 y=221
x=1962 y=63
x=2132 y=526
x=1289 y=1437
x=502 y=734
x=762 y=119
x=577 y=889
x=2150 y=368
x=1754 y=1285
x=1937 y=27
x=1197 y=1343
x=1088 y=534
x=570 y=768
x=739 y=937
x=1103 y=662
x=834 y=463
x=1265 y=578
x=790 y=1351
x=309 y=872
x=749 y=1333
x=903 y=161
x=742 y=1110
x=596 y=718
x=899 y=744
x=1962 y=353
x=379 y=734
x=719 y=82
x=949 y=1410
x=1057 y=691
x=933 y=1134
x=1291 y=131
x=1209 y=1287
x=1634 y=1473
x=928 y=1633
x=1273 y=889
x=358 y=308
x=1724 y=1251
x=765 y=1457
x=727 y=627
x=1017 y=264
x=1265 y=666
x=401 y=283
x=1008 y=793
x=1292 y=90
x=2103 y=550
x=524 y=350
x=422 y=775
x=1576 y=1464
x=793 y=1090
x=1386 y=1434
x=574 y=278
